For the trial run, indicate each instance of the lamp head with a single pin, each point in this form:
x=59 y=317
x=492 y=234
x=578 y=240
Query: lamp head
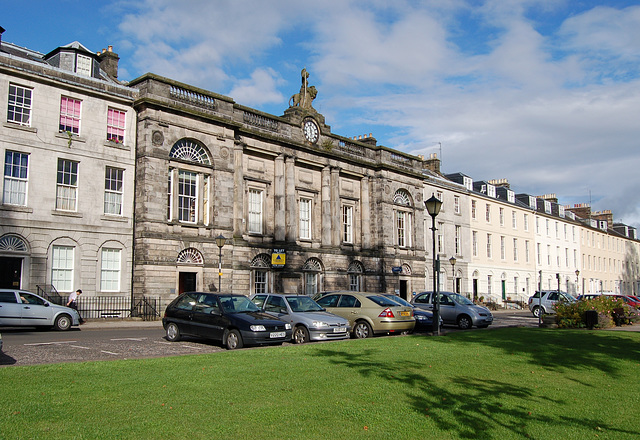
x=452 y=260
x=221 y=240
x=433 y=205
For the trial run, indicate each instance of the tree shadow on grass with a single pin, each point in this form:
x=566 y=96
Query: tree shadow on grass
x=561 y=350
x=468 y=407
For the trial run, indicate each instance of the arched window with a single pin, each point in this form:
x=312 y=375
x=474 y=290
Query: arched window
x=403 y=218
x=12 y=243
x=312 y=270
x=355 y=272
x=190 y=150
x=189 y=189
x=190 y=256
x=261 y=274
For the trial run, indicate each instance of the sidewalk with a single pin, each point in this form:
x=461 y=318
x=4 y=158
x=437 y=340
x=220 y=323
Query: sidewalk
x=119 y=323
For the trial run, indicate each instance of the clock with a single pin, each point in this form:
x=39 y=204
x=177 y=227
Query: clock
x=311 y=131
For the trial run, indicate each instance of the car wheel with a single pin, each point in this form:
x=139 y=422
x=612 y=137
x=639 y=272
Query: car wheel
x=362 y=330
x=300 y=335
x=536 y=311
x=63 y=322
x=173 y=332
x=464 y=322
x=233 y=340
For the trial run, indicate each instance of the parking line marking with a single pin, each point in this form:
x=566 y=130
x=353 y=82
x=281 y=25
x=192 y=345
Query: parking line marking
x=109 y=352
x=190 y=346
x=129 y=339
x=80 y=346
x=49 y=343
x=162 y=342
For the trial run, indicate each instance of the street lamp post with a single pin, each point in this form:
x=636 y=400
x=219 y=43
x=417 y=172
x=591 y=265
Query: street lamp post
x=433 y=205
x=452 y=260
x=220 y=241
x=577 y=280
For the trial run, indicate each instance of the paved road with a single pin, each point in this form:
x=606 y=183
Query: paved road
x=110 y=340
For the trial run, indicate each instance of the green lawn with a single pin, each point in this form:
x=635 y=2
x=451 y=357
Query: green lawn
x=497 y=384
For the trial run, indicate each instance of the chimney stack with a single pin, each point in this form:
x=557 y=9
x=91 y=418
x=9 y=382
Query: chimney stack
x=1 y=32
x=109 y=62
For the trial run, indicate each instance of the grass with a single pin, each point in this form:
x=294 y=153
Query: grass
x=497 y=384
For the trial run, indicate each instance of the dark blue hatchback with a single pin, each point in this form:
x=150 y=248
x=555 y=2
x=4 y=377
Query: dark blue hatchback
x=232 y=319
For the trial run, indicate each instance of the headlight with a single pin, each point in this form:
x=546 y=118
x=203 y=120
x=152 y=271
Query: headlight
x=287 y=326
x=420 y=317
x=319 y=324
x=258 y=328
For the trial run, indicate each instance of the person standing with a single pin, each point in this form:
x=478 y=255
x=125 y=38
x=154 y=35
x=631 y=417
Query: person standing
x=73 y=302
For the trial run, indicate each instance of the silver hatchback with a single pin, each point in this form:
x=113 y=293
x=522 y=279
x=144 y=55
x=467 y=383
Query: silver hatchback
x=455 y=309
x=310 y=322
x=22 y=308
x=545 y=303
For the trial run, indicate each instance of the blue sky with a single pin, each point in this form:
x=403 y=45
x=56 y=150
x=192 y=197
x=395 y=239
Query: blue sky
x=543 y=93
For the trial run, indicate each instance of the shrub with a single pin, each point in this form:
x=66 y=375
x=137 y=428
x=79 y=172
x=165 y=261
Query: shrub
x=572 y=315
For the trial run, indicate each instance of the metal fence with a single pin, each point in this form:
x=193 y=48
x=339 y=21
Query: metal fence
x=108 y=307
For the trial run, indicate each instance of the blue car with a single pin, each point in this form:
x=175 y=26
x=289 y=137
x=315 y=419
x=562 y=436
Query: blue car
x=232 y=319
x=424 y=318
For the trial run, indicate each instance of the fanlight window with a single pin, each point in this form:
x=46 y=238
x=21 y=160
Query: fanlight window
x=11 y=243
x=261 y=261
x=191 y=151
x=312 y=264
x=190 y=256
x=355 y=267
x=406 y=269
x=402 y=197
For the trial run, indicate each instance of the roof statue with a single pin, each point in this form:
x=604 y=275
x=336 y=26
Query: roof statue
x=306 y=95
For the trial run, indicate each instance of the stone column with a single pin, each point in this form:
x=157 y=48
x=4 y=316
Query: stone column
x=279 y=215
x=326 y=206
x=292 y=210
x=365 y=210
x=238 y=189
x=336 y=227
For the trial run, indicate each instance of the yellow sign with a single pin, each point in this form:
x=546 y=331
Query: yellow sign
x=278 y=259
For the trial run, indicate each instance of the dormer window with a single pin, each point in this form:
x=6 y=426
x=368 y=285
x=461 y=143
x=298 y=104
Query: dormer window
x=83 y=65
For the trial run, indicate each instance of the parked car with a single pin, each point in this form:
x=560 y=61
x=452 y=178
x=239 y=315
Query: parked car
x=424 y=318
x=628 y=299
x=0 y=341
x=455 y=309
x=309 y=321
x=545 y=304
x=22 y=308
x=232 y=319
x=369 y=313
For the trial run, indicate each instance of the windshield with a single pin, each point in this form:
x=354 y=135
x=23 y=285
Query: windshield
x=462 y=300
x=237 y=304
x=303 y=304
x=567 y=297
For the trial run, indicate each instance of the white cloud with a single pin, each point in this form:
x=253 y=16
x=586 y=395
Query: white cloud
x=260 y=89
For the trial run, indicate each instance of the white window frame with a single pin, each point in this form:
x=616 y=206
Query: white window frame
x=84 y=65
x=67 y=185
x=116 y=125
x=16 y=178
x=489 y=250
x=188 y=196
x=110 y=268
x=20 y=105
x=62 y=266
x=255 y=211
x=69 y=118
x=113 y=190
x=456 y=204
x=305 y=207
x=347 y=224
x=474 y=242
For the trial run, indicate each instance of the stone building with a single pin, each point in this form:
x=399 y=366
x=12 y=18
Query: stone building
x=301 y=209
x=68 y=143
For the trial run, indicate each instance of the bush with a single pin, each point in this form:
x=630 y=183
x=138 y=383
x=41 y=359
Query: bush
x=572 y=315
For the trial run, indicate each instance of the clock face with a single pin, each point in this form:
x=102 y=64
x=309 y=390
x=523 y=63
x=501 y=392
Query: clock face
x=311 y=132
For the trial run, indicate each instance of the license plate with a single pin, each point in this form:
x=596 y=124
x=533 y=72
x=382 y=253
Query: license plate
x=339 y=329
x=277 y=334
x=405 y=313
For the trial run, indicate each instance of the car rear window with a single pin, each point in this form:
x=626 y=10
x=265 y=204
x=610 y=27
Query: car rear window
x=8 y=297
x=382 y=301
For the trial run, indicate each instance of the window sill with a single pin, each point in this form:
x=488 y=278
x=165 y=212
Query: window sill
x=74 y=137
x=20 y=127
x=16 y=208
x=66 y=213
x=118 y=145
x=114 y=218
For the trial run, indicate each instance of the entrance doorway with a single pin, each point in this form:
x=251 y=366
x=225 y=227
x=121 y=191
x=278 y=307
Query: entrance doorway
x=403 y=289
x=186 y=282
x=10 y=273
x=475 y=289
